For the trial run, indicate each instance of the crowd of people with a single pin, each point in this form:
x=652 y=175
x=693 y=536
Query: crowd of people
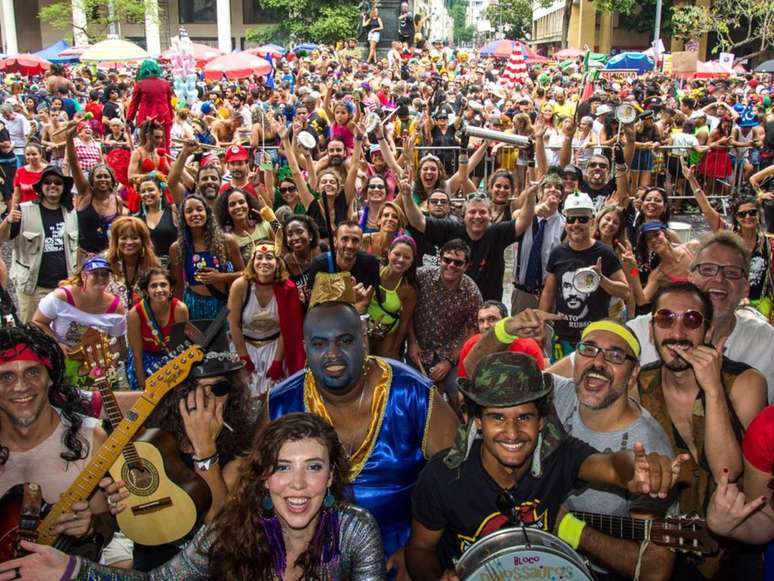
x=414 y=336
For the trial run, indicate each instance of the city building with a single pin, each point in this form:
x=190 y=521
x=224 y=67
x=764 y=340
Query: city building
x=598 y=30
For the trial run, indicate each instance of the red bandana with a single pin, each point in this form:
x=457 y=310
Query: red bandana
x=23 y=352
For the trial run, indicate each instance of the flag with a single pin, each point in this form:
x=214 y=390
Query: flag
x=270 y=76
x=516 y=69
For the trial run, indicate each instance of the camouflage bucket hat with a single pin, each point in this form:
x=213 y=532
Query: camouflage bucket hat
x=506 y=379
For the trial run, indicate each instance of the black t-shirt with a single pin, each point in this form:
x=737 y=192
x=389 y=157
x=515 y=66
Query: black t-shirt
x=462 y=502
x=487 y=263
x=53 y=266
x=340 y=213
x=579 y=308
x=598 y=196
x=111 y=110
x=365 y=269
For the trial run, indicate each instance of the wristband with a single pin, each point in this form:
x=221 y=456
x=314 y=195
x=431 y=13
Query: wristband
x=68 y=572
x=634 y=271
x=570 y=530
x=203 y=464
x=501 y=334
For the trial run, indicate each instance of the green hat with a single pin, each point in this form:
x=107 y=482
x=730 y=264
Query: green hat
x=505 y=380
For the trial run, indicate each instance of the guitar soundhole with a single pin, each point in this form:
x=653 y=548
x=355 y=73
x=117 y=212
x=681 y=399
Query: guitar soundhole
x=140 y=481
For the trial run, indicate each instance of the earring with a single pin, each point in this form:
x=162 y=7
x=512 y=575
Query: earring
x=267 y=504
x=537 y=467
x=329 y=500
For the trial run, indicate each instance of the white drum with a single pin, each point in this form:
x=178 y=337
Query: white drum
x=521 y=553
x=683 y=229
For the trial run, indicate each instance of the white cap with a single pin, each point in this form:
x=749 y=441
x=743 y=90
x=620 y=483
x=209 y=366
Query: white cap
x=603 y=109
x=578 y=201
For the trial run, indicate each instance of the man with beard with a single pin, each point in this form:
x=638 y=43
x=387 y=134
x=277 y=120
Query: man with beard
x=487 y=241
x=597 y=182
x=44 y=438
x=363 y=267
x=523 y=457
x=335 y=158
x=388 y=417
x=594 y=406
x=703 y=400
x=208 y=178
x=580 y=304
x=719 y=268
x=239 y=168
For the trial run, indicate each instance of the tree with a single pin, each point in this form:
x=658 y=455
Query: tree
x=743 y=27
x=322 y=21
x=100 y=14
x=462 y=32
x=512 y=17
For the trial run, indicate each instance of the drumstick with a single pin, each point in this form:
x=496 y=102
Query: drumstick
x=198 y=145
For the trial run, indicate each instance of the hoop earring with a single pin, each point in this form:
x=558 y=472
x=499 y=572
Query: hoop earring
x=537 y=464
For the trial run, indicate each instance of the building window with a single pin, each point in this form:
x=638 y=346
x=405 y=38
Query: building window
x=197 y=11
x=253 y=13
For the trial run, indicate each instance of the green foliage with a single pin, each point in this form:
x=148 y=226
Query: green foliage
x=743 y=27
x=640 y=14
x=59 y=15
x=514 y=16
x=462 y=33
x=321 y=21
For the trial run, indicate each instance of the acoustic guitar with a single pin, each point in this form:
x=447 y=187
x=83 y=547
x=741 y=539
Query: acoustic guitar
x=166 y=498
x=156 y=387
x=682 y=533
x=20 y=511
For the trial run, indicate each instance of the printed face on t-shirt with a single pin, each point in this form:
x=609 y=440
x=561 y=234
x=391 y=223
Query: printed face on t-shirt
x=574 y=300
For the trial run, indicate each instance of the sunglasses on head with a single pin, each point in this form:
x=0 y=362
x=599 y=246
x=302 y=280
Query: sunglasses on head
x=665 y=319
x=455 y=261
x=579 y=219
x=476 y=196
x=287 y=189
x=746 y=213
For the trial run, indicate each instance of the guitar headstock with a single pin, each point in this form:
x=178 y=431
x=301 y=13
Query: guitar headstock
x=173 y=372
x=97 y=354
x=687 y=534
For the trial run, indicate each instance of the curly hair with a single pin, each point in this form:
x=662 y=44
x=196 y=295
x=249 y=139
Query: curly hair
x=108 y=169
x=309 y=224
x=61 y=394
x=239 y=549
x=418 y=187
x=213 y=235
x=239 y=413
x=222 y=214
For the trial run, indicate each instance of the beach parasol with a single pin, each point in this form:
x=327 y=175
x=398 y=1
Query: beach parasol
x=114 y=50
x=765 y=67
x=201 y=52
x=73 y=53
x=273 y=50
x=569 y=53
x=26 y=64
x=238 y=65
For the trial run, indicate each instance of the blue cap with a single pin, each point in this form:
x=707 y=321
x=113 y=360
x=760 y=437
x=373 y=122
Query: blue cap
x=95 y=263
x=655 y=226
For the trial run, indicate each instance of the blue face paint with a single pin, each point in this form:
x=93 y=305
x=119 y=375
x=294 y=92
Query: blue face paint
x=335 y=348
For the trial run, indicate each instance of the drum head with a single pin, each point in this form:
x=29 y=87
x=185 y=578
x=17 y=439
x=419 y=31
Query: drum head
x=515 y=553
x=306 y=139
x=586 y=280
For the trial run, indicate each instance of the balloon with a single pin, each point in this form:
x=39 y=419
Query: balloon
x=180 y=93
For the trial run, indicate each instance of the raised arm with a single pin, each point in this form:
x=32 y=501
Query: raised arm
x=303 y=189
x=350 y=185
x=414 y=215
x=712 y=216
x=81 y=183
x=174 y=180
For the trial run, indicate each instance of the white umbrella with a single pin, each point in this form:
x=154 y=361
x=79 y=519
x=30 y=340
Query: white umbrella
x=114 y=50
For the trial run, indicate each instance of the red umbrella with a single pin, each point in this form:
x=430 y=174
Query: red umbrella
x=238 y=65
x=73 y=51
x=27 y=64
x=264 y=50
x=201 y=52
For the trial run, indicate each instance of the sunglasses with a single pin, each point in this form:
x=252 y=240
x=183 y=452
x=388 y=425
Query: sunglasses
x=614 y=356
x=223 y=387
x=437 y=202
x=747 y=213
x=376 y=187
x=665 y=319
x=578 y=219
x=55 y=182
x=455 y=261
x=593 y=164
x=287 y=189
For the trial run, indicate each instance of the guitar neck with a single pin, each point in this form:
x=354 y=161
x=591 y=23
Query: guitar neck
x=114 y=414
x=620 y=527
x=103 y=459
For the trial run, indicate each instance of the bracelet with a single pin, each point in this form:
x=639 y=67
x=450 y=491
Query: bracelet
x=68 y=572
x=634 y=271
x=570 y=530
x=204 y=464
x=643 y=546
x=501 y=334
x=358 y=138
